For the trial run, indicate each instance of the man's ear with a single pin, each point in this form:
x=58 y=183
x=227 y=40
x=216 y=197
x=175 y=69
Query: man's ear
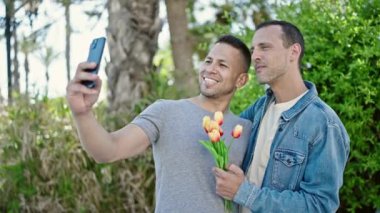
x=295 y=52
x=242 y=80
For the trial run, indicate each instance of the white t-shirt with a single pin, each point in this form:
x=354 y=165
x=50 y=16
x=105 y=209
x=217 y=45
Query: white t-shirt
x=267 y=131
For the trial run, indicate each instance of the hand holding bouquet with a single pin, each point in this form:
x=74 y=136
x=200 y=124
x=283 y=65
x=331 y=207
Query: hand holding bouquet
x=216 y=146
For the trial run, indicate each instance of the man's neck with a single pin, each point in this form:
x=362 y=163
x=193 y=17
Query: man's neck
x=211 y=104
x=287 y=90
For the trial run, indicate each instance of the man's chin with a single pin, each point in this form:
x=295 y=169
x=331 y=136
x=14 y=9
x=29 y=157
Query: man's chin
x=208 y=94
x=262 y=81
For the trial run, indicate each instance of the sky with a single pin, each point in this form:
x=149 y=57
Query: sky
x=85 y=29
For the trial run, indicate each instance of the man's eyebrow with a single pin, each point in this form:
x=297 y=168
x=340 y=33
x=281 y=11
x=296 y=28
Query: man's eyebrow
x=217 y=59
x=264 y=44
x=222 y=60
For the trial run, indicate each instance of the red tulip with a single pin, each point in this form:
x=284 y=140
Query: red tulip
x=221 y=131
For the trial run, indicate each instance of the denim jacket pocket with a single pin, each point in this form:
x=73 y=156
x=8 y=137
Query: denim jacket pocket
x=286 y=169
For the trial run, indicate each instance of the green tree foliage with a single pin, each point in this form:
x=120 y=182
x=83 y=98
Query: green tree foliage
x=236 y=17
x=342 y=58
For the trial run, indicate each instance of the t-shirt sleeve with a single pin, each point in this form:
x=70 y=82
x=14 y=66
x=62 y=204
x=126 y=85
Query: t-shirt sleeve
x=150 y=120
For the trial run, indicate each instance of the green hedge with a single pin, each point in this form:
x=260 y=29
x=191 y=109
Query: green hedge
x=44 y=169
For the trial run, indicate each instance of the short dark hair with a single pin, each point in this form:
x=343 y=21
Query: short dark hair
x=291 y=35
x=238 y=44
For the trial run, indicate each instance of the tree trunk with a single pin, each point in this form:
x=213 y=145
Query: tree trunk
x=9 y=9
x=68 y=36
x=27 y=71
x=16 y=71
x=47 y=81
x=132 y=34
x=185 y=77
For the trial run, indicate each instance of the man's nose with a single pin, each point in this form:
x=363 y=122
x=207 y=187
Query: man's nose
x=210 y=68
x=255 y=56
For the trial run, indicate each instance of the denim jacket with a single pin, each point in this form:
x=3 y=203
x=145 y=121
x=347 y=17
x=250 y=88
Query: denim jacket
x=307 y=158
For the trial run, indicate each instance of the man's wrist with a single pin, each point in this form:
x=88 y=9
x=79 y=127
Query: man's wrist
x=246 y=193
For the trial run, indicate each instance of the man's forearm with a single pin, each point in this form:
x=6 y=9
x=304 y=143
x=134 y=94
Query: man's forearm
x=94 y=138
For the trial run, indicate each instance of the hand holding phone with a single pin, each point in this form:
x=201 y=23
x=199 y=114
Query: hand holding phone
x=95 y=55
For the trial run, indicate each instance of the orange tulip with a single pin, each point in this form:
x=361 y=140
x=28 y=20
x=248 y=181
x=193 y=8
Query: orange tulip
x=214 y=136
x=218 y=117
x=214 y=125
x=237 y=131
x=206 y=123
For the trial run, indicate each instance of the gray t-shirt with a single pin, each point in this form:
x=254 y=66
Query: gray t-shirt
x=184 y=178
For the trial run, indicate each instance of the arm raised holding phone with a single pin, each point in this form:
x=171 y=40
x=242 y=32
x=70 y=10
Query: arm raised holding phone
x=172 y=128
x=100 y=144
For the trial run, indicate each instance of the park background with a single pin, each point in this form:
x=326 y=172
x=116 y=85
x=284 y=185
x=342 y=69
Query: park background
x=154 y=48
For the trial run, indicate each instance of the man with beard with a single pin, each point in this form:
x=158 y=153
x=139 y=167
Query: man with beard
x=184 y=180
x=299 y=147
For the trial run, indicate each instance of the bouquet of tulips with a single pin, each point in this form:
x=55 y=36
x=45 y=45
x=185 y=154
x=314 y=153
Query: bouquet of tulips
x=216 y=146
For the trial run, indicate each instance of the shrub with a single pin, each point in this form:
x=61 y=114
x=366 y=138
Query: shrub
x=43 y=167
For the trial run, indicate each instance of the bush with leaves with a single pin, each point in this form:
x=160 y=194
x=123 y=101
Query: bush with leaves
x=44 y=169
x=342 y=58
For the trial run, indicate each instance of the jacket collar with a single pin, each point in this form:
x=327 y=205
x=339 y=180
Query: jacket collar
x=300 y=105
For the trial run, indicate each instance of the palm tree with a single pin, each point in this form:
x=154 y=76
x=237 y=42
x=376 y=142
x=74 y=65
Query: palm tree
x=16 y=71
x=27 y=46
x=132 y=34
x=66 y=4
x=47 y=56
x=9 y=15
x=31 y=8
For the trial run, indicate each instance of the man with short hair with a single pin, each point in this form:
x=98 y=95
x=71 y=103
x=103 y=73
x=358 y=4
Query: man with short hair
x=173 y=128
x=299 y=147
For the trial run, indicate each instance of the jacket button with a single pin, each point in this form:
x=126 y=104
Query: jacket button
x=289 y=161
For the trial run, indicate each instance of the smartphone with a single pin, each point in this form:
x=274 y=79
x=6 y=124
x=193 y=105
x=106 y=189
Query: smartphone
x=95 y=55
